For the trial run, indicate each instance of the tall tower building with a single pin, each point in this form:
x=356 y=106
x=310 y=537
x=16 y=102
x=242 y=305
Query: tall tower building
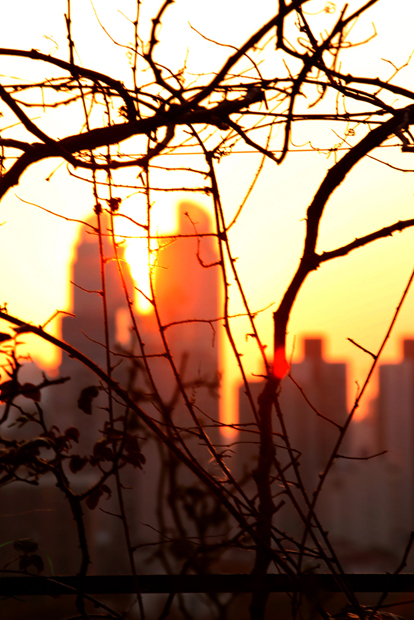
x=324 y=386
x=159 y=498
x=379 y=492
x=186 y=294
x=396 y=436
x=321 y=388
x=85 y=331
x=42 y=512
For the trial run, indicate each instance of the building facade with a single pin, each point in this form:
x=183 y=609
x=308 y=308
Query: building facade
x=367 y=502
x=158 y=496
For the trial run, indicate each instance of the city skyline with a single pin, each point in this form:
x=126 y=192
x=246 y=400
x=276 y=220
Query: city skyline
x=355 y=297
x=208 y=338
x=344 y=506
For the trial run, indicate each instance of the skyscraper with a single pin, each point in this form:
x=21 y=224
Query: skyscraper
x=395 y=427
x=186 y=294
x=85 y=331
x=319 y=387
x=366 y=505
x=43 y=512
x=184 y=342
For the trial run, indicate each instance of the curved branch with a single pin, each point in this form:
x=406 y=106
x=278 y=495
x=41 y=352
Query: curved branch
x=338 y=172
x=242 y=133
x=114 y=134
x=392 y=88
x=359 y=243
x=215 y=486
x=23 y=328
x=251 y=42
x=15 y=144
x=95 y=76
x=32 y=128
x=310 y=260
x=153 y=42
x=311 y=60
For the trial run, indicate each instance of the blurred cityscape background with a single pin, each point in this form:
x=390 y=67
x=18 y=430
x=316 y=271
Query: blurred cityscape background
x=367 y=501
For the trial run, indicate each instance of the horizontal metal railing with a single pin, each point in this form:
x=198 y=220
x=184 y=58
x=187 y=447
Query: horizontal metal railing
x=151 y=584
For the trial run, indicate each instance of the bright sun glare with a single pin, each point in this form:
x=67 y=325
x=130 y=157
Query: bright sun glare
x=136 y=256
x=163 y=222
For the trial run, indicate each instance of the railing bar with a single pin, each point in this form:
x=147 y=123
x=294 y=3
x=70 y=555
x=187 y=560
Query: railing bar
x=157 y=584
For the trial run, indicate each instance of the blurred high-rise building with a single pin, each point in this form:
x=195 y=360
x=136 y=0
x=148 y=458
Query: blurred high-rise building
x=395 y=435
x=181 y=352
x=180 y=340
x=185 y=278
x=367 y=501
x=313 y=405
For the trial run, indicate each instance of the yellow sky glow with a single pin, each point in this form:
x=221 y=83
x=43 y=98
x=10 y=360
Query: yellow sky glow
x=352 y=297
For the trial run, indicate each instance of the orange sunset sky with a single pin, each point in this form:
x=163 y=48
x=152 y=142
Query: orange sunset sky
x=351 y=297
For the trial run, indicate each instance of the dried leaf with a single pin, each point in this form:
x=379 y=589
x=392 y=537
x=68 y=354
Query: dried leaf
x=37 y=562
x=106 y=490
x=73 y=434
x=29 y=390
x=86 y=397
x=25 y=545
x=113 y=434
x=136 y=459
x=102 y=451
x=8 y=389
x=131 y=444
x=31 y=560
x=114 y=204
x=93 y=499
x=77 y=463
x=24 y=562
x=134 y=455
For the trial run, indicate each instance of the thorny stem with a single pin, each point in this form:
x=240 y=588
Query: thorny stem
x=308 y=263
x=78 y=516
x=213 y=485
x=310 y=259
x=221 y=235
x=171 y=108
x=223 y=243
x=119 y=487
x=203 y=435
x=262 y=479
x=264 y=418
x=98 y=211
x=331 y=561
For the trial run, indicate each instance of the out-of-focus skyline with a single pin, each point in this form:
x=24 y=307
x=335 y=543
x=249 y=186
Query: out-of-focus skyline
x=352 y=297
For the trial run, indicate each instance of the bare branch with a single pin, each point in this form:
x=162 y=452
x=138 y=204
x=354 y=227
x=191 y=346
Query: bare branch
x=387 y=231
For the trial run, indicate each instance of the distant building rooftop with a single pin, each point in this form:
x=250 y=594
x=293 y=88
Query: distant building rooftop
x=313 y=348
x=408 y=348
